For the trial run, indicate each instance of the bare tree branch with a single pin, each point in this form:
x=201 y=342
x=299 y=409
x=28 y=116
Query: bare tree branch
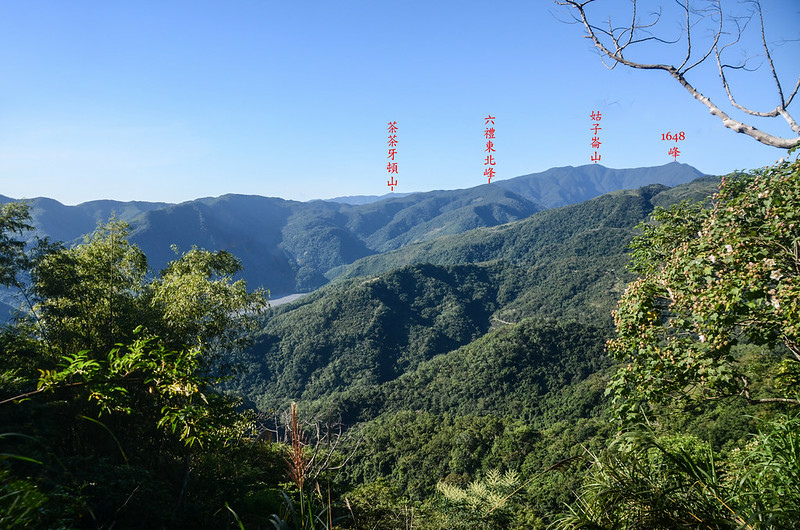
x=755 y=401
x=688 y=33
x=620 y=38
x=769 y=56
x=713 y=46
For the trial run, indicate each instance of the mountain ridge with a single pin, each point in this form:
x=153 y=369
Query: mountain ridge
x=356 y=200
x=291 y=246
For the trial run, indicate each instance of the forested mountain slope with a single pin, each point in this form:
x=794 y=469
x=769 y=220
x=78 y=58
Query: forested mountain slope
x=521 y=397
x=68 y=223
x=441 y=364
x=580 y=227
x=404 y=307
x=365 y=332
x=517 y=369
x=560 y=186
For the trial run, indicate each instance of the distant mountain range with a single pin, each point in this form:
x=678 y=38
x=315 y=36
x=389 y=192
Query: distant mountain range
x=365 y=199
x=560 y=186
x=459 y=353
x=290 y=246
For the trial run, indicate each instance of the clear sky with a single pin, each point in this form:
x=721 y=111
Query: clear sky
x=170 y=100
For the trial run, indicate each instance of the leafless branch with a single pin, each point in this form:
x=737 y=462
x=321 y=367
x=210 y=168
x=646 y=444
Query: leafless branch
x=793 y=348
x=620 y=38
x=769 y=55
x=713 y=46
x=313 y=444
x=755 y=401
x=781 y=108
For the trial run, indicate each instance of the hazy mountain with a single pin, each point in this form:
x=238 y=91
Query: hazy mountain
x=290 y=246
x=544 y=234
x=67 y=223
x=365 y=199
x=560 y=186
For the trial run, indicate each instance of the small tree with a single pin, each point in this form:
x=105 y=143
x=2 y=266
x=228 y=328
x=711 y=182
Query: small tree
x=718 y=304
x=93 y=295
x=110 y=371
x=88 y=297
x=14 y=222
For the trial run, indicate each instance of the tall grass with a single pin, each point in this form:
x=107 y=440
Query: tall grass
x=648 y=481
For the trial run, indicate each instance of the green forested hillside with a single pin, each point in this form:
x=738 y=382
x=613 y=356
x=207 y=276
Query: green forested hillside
x=523 y=397
x=585 y=229
x=451 y=347
x=562 y=263
x=244 y=225
x=513 y=370
x=369 y=331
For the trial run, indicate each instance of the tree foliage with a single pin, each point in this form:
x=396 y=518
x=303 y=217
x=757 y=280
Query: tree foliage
x=14 y=222
x=647 y=479
x=110 y=376
x=93 y=295
x=716 y=311
x=714 y=315
x=88 y=297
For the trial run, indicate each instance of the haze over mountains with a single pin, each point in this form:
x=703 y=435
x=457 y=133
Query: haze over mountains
x=290 y=246
x=365 y=199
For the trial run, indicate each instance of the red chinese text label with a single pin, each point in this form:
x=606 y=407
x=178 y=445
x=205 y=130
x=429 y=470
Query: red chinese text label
x=489 y=161
x=674 y=137
x=595 y=128
x=391 y=167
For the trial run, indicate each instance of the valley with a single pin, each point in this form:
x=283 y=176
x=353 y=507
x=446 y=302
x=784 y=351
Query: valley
x=426 y=345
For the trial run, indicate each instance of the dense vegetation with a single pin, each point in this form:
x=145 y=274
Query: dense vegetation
x=566 y=263
x=108 y=409
x=712 y=319
x=473 y=381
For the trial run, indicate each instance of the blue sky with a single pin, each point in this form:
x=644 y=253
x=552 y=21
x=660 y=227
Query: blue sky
x=170 y=101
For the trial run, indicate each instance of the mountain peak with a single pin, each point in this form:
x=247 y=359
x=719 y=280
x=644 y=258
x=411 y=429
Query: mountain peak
x=560 y=186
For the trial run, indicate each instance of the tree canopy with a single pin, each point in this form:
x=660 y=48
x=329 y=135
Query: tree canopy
x=111 y=360
x=718 y=306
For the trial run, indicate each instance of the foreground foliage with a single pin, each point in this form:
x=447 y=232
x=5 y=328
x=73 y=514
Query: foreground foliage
x=714 y=317
x=644 y=480
x=107 y=375
x=713 y=279
x=431 y=396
